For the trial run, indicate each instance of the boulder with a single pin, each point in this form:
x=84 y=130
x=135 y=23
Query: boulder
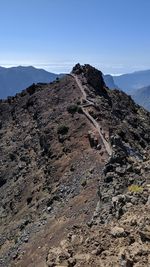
x=118 y=232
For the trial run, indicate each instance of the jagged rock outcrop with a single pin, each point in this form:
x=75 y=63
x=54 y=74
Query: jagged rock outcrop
x=93 y=77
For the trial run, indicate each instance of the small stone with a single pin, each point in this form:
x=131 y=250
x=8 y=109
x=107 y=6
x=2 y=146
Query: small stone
x=129 y=205
x=91 y=170
x=125 y=262
x=145 y=235
x=15 y=255
x=51 y=264
x=99 y=147
x=76 y=239
x=120 y=171
x=71 y=262
x=49 y=209
x=26 y=239
x=72 y=168
x=118 y=232
x=134 y=200
x=109 y=177
x=97 y=251
x=148 y=201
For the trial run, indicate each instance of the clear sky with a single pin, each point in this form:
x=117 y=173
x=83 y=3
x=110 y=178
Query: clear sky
x=113 y=35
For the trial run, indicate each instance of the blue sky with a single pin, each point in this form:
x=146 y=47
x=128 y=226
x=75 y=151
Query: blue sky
x=112 y=35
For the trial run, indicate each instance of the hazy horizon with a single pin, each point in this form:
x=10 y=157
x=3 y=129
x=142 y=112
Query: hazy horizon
x=67 y=70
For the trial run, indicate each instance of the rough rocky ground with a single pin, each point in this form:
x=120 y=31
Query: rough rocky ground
x=64 y=200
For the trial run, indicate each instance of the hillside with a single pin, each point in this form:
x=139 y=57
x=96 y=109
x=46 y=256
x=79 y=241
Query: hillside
x=15 y=79
x=142 y=97
x=74 y=175
x=133 y=81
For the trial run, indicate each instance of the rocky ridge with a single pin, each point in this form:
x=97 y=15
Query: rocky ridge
x=65 y=200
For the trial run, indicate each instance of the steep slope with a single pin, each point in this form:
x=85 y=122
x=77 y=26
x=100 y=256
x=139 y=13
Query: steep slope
x=15 y=79
x=142 y=97
x=69 y=152
x=109 y=81
x=132 y=81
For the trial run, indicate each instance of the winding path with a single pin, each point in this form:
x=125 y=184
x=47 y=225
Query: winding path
x=91 y=119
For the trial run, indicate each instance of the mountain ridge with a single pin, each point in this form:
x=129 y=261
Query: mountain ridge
x=65 y=200
x=133 y=81
x=15 y=79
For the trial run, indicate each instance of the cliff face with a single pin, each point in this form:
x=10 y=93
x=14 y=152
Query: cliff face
x=58 y=181
x=109 y=81
x=93 y=77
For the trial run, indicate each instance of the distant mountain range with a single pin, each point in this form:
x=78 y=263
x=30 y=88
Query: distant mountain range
x=15 y=79
x=142 y=97
x=136 y=84
x=132 y=81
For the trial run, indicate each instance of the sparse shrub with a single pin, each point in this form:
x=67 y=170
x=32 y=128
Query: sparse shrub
x=57 y=79
x=78 y=102
x=135 y=188
x=23 y=93
x=29 y=200
x=62 y=129
x=80 y=110
x=72 y=109
x=9 y=99
x=31 y=89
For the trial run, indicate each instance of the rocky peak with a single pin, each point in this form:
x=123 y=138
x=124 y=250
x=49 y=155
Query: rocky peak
x=92 y=77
